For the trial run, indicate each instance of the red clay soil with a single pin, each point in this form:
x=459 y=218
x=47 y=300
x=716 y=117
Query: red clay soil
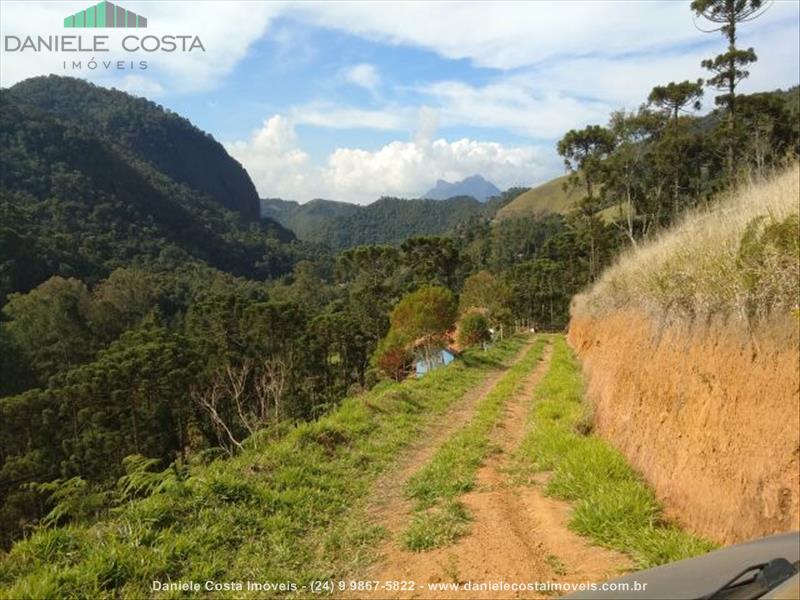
x=517 y=535
x=709 y=414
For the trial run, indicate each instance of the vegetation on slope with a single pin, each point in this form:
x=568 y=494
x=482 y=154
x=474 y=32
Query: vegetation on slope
x=307 y=221
x=340 y=225
x=147 y=132
x=224 y=356
x=281 y=510
x=545 y=199
x=612 y=503
x=738 y=258
x=141 y=347
x=73 y=204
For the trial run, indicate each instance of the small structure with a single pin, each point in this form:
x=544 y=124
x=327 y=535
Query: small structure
x=436 y=359
x=434 y=351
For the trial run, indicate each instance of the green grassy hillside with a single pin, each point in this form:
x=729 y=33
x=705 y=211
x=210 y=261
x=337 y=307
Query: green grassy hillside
x=285 y=509
x=545 y=199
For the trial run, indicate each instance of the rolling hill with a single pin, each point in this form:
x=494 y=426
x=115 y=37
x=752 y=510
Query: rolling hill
x=308 y=220
x=545 y=199
x=342 y=225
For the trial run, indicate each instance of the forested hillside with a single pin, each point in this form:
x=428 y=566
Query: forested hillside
x=148 y=133
x=392 y=220
x=307 y=221
x=668 y=152
x=127 y=270
x=340 y=225
x=73 y=205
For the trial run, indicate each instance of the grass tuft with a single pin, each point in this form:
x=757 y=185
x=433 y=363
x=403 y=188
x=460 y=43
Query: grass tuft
x=436 y=527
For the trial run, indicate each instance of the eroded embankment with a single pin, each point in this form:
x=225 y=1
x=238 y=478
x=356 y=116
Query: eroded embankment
x=708 y=414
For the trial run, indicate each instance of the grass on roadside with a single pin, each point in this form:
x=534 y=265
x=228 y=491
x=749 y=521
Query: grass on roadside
x=737 y=257
x=284 y=512
x=439 y=519
x=612 y=503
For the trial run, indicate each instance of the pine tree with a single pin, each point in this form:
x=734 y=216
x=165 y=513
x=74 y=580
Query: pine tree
x=729 y=68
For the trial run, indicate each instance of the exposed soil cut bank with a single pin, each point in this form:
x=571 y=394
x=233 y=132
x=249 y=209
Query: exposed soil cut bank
x=709 y=415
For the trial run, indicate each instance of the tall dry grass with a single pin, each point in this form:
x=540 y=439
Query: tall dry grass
x=740 y=257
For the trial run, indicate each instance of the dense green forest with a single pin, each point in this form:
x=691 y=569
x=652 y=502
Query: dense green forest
x=145 y=312
x=147 y=132
x=305 y=220
x=340 y=225
x=75 y=204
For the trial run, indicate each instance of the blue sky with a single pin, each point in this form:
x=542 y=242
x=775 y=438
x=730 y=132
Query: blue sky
x=354 y=100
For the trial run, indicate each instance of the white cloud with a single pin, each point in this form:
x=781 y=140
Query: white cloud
x=410 y=168
x=510 y=35
x=562 y=64
x=545 y=101
x=427 y=125
x=513 y=104
x=363 y=75
x=273 y=160
x=557 y=65
x=321 y=114
x=279 y=167
x=140 y=86
x=499 y=35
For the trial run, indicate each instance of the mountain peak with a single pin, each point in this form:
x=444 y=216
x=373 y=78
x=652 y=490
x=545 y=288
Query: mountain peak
x=474 y=185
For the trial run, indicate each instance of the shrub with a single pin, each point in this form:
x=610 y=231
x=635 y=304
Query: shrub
x=393 y=356
x=473 y=329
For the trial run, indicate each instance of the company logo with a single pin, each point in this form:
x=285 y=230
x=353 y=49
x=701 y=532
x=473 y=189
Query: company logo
x=105 y=14
x=131 y=47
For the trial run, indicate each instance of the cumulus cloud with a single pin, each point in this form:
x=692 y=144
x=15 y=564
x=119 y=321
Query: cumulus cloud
x=555 y=65
x=409 y=168
x=279 y=167
x=275 y=162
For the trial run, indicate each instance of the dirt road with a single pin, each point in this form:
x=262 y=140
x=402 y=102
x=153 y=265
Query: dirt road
x=517 y=534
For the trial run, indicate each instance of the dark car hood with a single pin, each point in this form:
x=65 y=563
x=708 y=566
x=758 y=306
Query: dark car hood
x=702 y=575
